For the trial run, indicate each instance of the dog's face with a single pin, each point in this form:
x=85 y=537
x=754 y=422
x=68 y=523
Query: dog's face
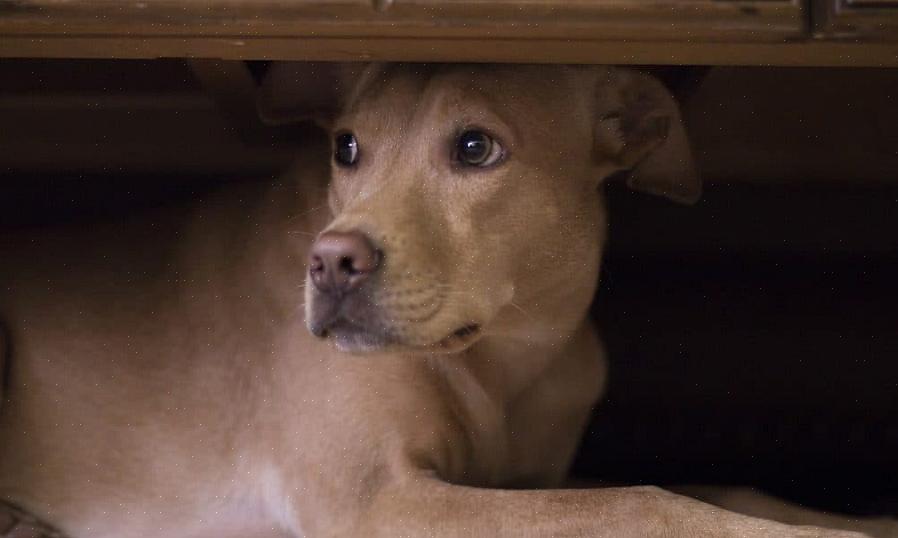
x=460 y=193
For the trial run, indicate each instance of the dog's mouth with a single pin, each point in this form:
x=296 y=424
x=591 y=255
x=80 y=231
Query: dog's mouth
x=356 y=338
x=351 y=337
x=355 y=324
x=458 y=340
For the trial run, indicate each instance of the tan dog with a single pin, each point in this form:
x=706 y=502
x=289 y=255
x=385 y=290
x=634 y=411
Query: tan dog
x=165 y=382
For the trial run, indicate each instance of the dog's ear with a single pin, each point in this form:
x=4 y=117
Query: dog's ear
x=292 y=92
x=639 y=129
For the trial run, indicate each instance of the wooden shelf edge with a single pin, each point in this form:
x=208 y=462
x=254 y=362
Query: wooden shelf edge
x=847 y=19
x=803 y=53
x=667 y=20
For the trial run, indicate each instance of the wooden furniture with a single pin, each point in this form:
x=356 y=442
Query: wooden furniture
x=712 y=32
x=857 y=19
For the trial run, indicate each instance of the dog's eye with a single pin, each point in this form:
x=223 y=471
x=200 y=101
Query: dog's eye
x=476 y=148
x=346 y=151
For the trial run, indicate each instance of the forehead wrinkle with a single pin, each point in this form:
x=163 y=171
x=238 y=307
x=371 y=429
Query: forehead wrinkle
x=383 y=117
x=462 y=94
x=386 y=98
x=366 y=82
x=453 y=114
x=517 y=98
x=379 y=81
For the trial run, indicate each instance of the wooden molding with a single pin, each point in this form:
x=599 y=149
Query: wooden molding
x=867 y=20
x=653 y=20
x=821 y=54
x=666 y=32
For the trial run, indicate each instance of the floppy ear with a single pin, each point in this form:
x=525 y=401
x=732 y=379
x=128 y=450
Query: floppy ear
x=292 y=92
x=639 y=129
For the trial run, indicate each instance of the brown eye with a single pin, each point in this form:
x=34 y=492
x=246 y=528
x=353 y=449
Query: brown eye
x=476 y=148
x=346 y=149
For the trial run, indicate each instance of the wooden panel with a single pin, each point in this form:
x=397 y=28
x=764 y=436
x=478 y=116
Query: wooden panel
x=870 y=20
x=805 y=53
x=577 y=31
x=679 y=20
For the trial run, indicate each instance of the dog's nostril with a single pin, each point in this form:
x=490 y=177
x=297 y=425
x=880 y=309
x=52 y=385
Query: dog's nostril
x=347 y=265
x=316 y=264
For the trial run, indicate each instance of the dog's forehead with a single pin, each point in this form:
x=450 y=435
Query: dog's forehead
x=381 y=94
x=500 y=79
x=524 y=92
x=397 y=93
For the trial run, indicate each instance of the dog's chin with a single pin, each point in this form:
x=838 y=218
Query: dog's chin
x=351 y=338
x=359 y=343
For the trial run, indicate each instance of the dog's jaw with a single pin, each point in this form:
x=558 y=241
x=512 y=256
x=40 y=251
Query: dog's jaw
x=351 y=338
x=459 y=340
x=366 y=322
x=352 y=333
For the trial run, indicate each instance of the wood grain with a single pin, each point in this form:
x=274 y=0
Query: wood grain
x=867 y=20
x=677 y=20
x=821 y=54
x=667 y=32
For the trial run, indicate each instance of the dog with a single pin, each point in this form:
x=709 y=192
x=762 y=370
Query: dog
x=394 y=343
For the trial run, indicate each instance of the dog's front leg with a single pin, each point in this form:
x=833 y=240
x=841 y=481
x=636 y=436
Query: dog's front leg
x=754 y=503
x=4 y=364
x=422 y=506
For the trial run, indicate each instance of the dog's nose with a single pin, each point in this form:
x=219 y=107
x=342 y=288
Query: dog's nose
x=340 y=261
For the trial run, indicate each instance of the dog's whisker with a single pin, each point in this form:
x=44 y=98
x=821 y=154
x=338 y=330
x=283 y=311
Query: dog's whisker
x=514 y=304
x=304 y=213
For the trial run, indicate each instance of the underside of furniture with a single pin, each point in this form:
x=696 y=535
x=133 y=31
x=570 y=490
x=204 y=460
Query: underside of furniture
x=710 y=32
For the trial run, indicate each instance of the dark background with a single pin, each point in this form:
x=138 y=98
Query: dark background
x=775 y=369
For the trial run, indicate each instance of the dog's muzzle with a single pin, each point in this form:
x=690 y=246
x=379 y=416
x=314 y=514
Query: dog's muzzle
x=341 y=265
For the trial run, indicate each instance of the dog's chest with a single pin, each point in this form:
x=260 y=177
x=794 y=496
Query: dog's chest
x=526 y=439
x=544 y=423
x=542 y=437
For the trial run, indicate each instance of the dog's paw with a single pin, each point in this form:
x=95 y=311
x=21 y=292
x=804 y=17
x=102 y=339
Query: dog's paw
x=881 y=527
x=819 y=532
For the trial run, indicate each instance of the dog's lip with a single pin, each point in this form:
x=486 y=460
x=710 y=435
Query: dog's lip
x=343 y=333
x=353 y=337
x=458 y=339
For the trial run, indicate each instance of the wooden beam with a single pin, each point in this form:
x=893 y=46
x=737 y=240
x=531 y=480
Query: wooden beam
x=811 y=53
x=652 y=20
x=666 y=32
x=856 y=19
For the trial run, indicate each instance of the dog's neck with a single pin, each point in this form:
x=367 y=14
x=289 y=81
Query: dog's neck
x=515 y=358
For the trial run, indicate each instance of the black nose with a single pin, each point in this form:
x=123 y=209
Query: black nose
x=341 y=261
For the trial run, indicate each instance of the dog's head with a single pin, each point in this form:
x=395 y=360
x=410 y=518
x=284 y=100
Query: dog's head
x=465 y=198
